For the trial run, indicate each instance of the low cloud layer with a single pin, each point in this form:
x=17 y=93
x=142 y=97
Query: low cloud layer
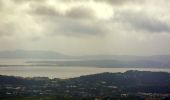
x=96 y=24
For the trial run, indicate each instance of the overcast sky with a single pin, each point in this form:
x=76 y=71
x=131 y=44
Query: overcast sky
x=85 y=27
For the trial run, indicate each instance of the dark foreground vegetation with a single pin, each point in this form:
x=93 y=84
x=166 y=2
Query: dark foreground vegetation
x=131 y=85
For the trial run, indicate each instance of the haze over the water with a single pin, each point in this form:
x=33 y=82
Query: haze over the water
x=86 y=27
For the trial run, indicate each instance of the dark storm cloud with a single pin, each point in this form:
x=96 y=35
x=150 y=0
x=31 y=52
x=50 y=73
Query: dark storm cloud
x=113 y=2
x=28 y=1
x=71 y=27
x=120 y=2
x=81 y=20
x=143 y=22
x=75 y=12
x=76 y=21
x=81 y=28
x=116 y=2
x=43 y=10
x=80 y=12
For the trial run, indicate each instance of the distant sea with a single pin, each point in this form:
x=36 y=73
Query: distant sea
x=18 y=67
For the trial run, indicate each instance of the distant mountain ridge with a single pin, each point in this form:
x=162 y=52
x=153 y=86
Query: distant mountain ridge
x=52 y=54
x=124 y=61
x=31 y=54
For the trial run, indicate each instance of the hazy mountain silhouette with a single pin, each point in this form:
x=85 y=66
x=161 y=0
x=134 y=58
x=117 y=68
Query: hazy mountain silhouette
x=158 y=61
x=31 y=54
